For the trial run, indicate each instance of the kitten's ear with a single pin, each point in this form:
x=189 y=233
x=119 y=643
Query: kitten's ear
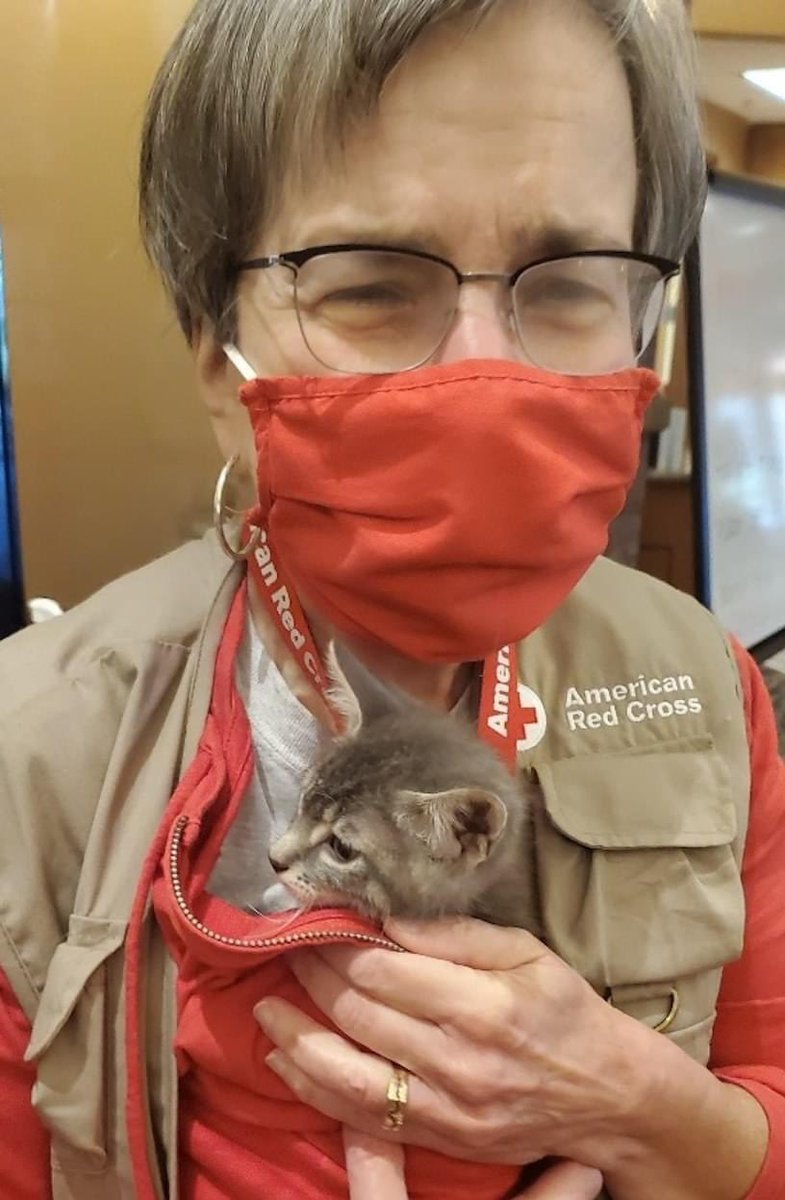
x=463 y=821
x=341 y=695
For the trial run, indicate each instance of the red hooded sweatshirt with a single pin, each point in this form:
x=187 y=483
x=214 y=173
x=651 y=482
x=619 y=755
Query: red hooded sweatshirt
x=243 y=1132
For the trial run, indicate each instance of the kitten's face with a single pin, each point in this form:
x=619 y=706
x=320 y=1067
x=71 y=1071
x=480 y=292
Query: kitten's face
x=399 y=853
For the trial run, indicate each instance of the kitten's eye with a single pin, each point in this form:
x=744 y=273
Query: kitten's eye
x=341 y=850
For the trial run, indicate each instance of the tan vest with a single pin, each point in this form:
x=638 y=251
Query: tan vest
x=644 y=771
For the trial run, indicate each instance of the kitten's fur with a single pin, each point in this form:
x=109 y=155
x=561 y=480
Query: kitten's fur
x=410 y=815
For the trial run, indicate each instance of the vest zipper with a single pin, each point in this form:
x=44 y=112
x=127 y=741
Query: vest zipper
x=286 y=939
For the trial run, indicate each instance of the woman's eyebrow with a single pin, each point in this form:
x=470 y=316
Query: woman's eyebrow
x=404 y=237
x=543 y=240
x=549 y=240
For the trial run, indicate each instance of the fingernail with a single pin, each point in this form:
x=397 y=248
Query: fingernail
x=264 y=1013
x=297 y=964
x=275 y=1062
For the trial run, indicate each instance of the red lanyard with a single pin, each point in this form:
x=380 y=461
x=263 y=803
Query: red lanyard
x=502 y=713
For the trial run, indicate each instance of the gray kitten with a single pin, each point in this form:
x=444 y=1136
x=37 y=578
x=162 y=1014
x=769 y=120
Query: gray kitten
x=411 y=815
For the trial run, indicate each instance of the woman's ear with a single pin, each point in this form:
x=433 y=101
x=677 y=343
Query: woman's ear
x=219 y=385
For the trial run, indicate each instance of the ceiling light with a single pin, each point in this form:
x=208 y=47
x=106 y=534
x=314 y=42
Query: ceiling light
x=771 y=81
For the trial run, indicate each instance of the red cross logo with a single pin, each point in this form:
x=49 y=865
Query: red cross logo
x=532 y=716
x=529 y=717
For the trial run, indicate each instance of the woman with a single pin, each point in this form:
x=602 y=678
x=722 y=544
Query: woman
x=432 y=235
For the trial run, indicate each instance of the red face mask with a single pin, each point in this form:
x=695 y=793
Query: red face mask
x=448 y=511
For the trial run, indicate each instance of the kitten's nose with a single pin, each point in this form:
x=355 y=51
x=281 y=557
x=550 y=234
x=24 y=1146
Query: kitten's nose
x=276 y=865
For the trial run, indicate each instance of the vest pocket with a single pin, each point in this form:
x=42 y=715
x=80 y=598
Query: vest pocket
x=639 y=882
x=68 y=1043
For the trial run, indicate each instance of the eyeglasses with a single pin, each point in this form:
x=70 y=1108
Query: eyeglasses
x=371 y=309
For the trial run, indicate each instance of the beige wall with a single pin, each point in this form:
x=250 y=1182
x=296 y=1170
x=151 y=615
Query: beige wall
x=766 y=152
x=740 y=18
x=726 y=139
x=115 y=458
x=742 y=149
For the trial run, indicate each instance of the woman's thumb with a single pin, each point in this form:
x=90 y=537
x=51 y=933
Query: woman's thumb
x=565 y=1181
x=375 y=1167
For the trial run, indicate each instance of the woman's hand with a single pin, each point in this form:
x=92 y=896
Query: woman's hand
x=513 y=1057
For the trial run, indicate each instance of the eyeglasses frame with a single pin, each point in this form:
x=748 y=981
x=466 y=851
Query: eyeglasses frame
x=295 y=260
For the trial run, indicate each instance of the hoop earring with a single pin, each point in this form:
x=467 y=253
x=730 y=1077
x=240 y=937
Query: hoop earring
x=220 y=509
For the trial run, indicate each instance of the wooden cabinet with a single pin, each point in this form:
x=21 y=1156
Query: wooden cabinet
x=667 y=548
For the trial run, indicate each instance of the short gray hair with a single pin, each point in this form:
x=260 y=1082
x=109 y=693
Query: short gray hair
x=250 y=88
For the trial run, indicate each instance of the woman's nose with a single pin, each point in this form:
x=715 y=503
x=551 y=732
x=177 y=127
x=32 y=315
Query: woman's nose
x=483 y=326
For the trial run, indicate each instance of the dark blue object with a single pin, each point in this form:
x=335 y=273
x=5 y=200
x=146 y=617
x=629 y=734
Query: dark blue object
x=12 y=607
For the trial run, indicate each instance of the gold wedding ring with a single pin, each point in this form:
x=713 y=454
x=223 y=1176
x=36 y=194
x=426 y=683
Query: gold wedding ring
x=397 y=1098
